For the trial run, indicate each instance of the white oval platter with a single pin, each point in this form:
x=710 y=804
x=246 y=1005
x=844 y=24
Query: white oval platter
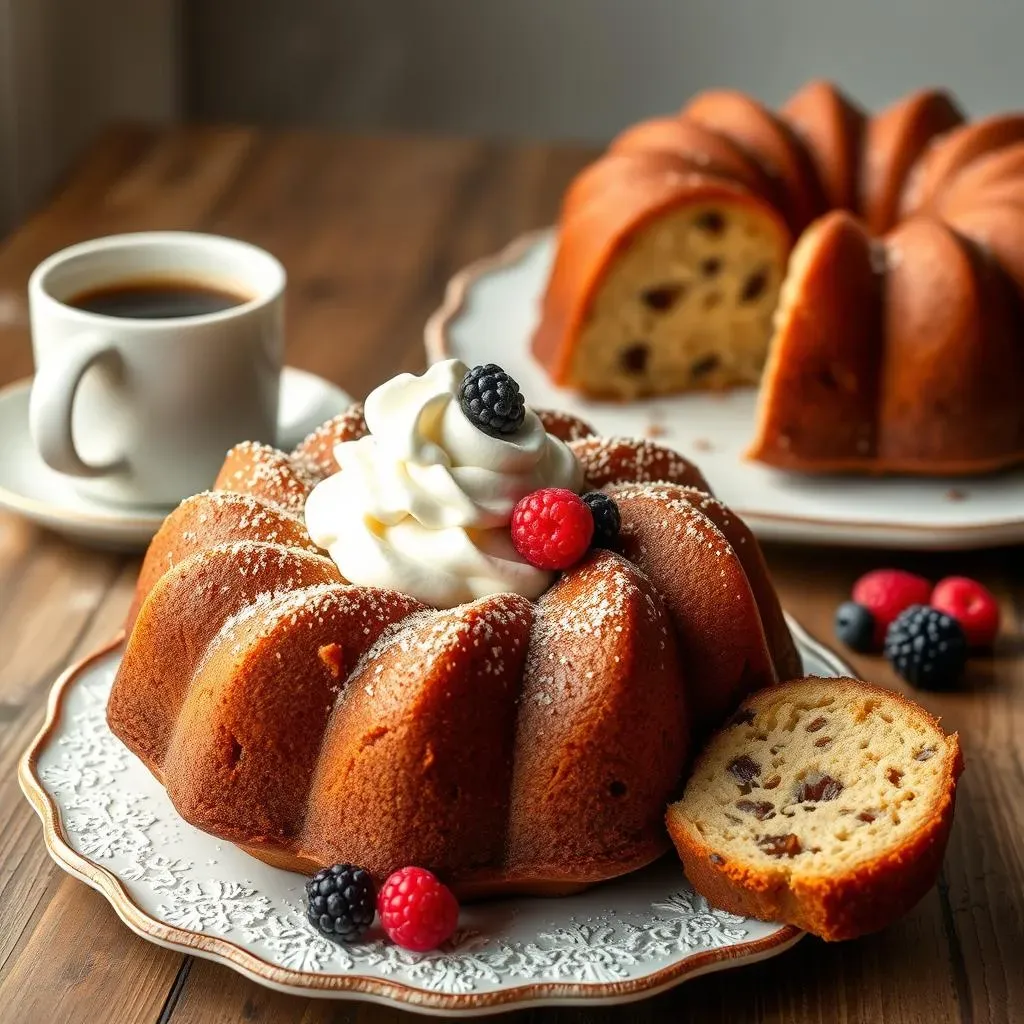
x=488 y=317
x=107 y=821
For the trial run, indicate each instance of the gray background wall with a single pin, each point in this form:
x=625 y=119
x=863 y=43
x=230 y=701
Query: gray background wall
x=578 y=68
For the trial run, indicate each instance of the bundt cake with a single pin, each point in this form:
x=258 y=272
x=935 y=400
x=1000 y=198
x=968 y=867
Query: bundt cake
x=867 y=271
x=825 y=803
x=337 y=655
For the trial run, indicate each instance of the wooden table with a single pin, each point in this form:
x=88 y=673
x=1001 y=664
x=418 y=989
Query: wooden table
x=370 y=230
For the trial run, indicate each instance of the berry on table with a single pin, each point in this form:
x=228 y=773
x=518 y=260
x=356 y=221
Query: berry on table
x=926 y=647
x=607 y=521
x=491 y=400
x=855 y=626
x=341 y=901
x=417 y=911
x=552 y=528
x=886 y=592
x=972 y=605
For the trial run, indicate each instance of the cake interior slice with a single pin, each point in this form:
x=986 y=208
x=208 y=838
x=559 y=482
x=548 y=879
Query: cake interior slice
x=824 y=803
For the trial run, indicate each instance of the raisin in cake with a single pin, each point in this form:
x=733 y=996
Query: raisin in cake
x=825 y=803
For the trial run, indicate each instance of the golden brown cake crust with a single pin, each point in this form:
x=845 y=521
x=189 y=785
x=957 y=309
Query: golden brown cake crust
x=255 y=679
x=760 y=132
x=709 y=597
x=198 y=594
x=950 y=154
x=602 y=652
x=208 y=519
x=315 y=455
x=896 y=138
x=707 y=151
x=564 y=425
x=266 y=473
x=953 y=364
x=832 y=127
x=819 y=400
x=614 y=460
x=641 y=301
x=832 y=894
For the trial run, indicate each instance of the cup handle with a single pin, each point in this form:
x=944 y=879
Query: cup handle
x=52 y=401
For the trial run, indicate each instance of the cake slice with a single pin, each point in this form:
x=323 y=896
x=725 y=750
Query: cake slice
x=825 y=803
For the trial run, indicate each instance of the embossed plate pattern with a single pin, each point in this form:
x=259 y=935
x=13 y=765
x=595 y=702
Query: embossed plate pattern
x=108 y=822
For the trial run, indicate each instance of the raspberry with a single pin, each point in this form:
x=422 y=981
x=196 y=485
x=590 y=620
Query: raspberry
x=926 y=647
x=416 y=910
x=855 y=626
x=971 y=605
x=491 y=400
x=552 y=527
x=886 y=592
x=607 y=521
x=340 y=901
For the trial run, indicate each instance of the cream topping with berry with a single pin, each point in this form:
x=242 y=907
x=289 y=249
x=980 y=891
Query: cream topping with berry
x=422 y=504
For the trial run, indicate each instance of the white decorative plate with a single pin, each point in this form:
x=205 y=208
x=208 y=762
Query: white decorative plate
x=108 y=822
x=488 y=316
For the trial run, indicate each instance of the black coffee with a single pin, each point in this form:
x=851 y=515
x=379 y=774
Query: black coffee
x=156 y=299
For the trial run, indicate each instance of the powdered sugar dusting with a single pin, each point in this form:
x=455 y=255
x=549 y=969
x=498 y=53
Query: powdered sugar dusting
x=684 y=517
x=258 y=469
x=315 y=455
x=605 y=591
x=206 y=517
x=308 y=607
x=564 y=425
x=490 y=628
x=611 y=460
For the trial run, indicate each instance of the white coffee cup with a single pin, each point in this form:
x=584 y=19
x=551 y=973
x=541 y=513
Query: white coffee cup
x=142 y=410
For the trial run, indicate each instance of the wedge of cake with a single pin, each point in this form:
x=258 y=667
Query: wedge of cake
x=825 y=803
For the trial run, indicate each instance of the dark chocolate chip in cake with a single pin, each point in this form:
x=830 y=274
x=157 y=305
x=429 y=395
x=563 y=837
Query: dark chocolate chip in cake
x=662 y=297
x=754 y=286
x=711 y=266
x=711 y=221
x=634 y=359
x=703 y=366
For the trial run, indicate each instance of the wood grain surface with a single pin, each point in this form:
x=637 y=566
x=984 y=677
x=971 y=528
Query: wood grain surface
x=370 y=229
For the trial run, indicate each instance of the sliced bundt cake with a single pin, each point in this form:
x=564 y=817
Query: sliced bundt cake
x=871 y=266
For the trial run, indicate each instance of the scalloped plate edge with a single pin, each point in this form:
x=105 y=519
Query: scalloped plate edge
x=352 y=985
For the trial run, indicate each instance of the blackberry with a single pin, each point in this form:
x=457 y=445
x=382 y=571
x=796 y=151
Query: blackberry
x=491 y=400
x=855 y=626
x=342 y=900
x=926 y=647
x=606 y=519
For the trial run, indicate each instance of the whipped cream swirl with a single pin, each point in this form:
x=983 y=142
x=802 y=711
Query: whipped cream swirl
x=422 y=504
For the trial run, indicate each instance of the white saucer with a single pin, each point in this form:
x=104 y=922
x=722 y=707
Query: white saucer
x=488 y=316
x=30 y=488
